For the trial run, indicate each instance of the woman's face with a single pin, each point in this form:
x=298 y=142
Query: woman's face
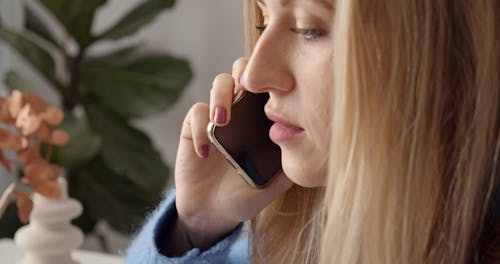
x=292 y=62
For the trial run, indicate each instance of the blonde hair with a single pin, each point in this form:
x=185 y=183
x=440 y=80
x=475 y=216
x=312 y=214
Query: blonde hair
x=414 y=160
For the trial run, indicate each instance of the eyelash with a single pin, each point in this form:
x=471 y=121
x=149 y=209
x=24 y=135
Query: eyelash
x=309 y=34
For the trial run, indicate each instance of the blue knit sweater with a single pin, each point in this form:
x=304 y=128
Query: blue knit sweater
x=145 y=248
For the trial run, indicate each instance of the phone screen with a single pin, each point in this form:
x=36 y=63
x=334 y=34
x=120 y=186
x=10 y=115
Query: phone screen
x=246 y=138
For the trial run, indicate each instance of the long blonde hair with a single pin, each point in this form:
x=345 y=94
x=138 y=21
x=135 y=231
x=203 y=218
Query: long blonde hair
x=414 y=160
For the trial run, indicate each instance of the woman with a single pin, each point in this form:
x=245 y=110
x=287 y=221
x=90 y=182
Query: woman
x=393 y=157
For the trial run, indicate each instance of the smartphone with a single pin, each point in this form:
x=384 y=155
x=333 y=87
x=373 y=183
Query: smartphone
x=245 y=140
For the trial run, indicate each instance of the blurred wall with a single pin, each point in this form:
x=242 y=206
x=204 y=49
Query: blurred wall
x=8 y=13
x=208 y=33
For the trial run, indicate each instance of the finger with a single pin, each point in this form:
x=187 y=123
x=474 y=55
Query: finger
x=221 y=98
x=196 y=124
x=238 y=68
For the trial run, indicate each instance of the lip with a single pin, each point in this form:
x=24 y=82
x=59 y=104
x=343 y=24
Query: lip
x=282 y=131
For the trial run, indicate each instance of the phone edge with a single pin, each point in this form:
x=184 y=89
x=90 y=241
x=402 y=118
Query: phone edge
x=211 y=136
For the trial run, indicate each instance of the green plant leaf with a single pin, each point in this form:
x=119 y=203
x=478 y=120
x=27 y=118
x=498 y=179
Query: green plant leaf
x=14 y=80
x=127 y=150
x=39 y=58
x=35 y=25
x=86 y=222
x=84 y=144
x=76 y=16
x=115 y=58
x=139 y=88
x=139 y=16
x=112 y=197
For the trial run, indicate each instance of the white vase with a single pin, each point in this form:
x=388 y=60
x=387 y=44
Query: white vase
x=50 y=238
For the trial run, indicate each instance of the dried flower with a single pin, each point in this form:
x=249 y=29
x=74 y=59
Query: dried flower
x=14 y=103
x=52 y=115
x=31 y=120
x=27 y=120
x=24 y=206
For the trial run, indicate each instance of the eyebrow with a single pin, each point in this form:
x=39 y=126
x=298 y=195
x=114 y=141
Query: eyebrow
x=283 y=3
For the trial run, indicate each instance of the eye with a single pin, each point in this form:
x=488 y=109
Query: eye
x=310 y=34
x=261 y=28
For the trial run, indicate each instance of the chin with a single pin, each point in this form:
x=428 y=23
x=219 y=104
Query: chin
x=305 y=176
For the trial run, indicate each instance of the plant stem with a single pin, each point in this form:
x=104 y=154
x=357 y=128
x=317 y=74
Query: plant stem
x=6 y=197
x=49 y=152
x=75 y=64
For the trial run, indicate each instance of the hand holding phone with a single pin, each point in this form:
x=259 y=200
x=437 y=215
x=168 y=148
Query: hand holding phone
x=211 y=198
x=245 y=140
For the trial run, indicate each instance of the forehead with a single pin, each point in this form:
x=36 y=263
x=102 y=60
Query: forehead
x=324 y=3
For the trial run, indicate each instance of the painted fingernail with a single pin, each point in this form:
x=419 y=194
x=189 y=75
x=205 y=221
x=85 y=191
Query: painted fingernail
x=220 y=115
x=204 y=150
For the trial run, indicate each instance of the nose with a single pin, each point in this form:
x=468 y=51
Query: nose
x=269 y=66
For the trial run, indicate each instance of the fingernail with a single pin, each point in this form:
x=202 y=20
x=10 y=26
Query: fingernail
x=204 y=150
x=220 y=115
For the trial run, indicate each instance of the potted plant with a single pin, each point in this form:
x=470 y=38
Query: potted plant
x=112 y=168
x=25 y=123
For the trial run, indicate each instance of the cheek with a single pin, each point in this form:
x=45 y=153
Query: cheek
x=318 y=111
x=307 y=165
x=306 y=173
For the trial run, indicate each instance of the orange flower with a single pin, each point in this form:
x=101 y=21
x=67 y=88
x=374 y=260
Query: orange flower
x=5 y=116
x=43 y=132
x=42 y=176
x=15 y=103
x=29 y=154
x=52 y=115
x=36 y=102
x=24 y=206
x=59 y=138
x=49 y=189
x=31 y=121
x=34 y=117
x=10 y=141
x=39 y=170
